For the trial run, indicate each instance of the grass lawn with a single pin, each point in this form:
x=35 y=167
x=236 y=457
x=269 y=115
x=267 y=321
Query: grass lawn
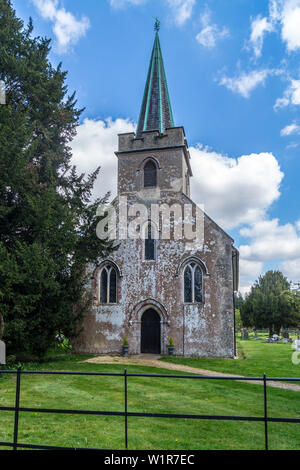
x=255 y=358
x=148 y=395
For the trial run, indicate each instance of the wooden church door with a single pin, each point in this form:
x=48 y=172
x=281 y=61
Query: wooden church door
x=150 y=332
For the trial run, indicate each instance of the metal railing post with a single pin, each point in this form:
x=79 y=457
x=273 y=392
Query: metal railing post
x=266 y=412
x=126 y=417
x=17 y=406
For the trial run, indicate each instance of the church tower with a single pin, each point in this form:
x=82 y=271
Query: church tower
x=156 y=287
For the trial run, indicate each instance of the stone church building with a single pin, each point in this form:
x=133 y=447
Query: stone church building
x=153 y=287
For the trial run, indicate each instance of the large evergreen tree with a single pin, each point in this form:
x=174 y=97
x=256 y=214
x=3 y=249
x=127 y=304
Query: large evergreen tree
x=47 y=222
x=267 y=305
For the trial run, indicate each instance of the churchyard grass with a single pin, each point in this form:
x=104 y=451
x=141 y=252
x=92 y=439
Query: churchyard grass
x=145 y=395
x=255 y=357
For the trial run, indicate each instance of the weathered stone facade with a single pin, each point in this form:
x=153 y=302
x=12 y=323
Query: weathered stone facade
x=183 y=290
x=198 y=329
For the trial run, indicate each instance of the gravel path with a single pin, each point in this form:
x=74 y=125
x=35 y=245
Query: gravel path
x=152 y=361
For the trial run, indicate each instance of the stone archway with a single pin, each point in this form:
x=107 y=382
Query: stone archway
x=135 y=323
x=150 y=332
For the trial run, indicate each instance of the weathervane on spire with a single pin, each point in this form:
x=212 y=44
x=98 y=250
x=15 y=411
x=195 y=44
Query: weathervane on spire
x=156 y=24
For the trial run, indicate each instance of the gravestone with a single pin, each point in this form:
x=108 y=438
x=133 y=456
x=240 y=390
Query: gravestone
x=245 y=334
x=2 y=353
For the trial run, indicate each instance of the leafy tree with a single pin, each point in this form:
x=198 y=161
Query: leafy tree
x=266 y=306
x=47 y=222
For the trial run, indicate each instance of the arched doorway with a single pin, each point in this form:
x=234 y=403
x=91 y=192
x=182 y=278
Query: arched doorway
x=150 y=332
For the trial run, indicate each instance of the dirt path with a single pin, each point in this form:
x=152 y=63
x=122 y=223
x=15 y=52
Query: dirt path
x=152 y=361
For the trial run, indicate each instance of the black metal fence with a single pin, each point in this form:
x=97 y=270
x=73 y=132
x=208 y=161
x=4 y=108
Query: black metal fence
x=126 y=414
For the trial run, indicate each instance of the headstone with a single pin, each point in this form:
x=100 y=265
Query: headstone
x=2 y=353
x=245 y=334
x=285 y=333
x=275 y=338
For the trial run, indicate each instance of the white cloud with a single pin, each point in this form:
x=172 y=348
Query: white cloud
x=291 y=269
x=250 y=268
x=292 y=145
x=235 y=191
x=286 y=13
x=67 y=29
x=182 y=10
x=289 y=16
x=124 y=3
x=284 y=16
x=94 y=145
x=259 y=27
x=210 y=33
x=291 y=95
x=290 y=129
x=271 y=241
x=245 y=83
x=245 y=287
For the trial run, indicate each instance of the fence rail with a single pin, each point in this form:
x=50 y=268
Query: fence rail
x=126 y=414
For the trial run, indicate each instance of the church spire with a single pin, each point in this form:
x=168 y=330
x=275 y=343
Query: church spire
x=156 y=112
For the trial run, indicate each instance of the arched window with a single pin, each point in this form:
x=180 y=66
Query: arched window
x=150 y=244
x=108 y=285
x=150 y=174
x=193 y=283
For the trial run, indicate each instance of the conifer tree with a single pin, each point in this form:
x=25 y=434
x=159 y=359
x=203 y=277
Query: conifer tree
x=266 y=306
x=47 y=219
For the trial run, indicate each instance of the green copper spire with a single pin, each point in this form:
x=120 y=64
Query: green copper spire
x=156 y=112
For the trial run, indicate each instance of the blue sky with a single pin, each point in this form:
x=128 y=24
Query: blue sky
x=234 y=81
